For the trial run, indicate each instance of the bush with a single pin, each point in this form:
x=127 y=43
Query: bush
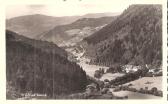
x=118 y=97
x=159 y=74
x=97 y=74
x=101 y=70
x=125 y=88
x=126 y=97
x=129 y=77
x=117 y=89
x=141 y=90
x=149 y=74
x=110 y=93
x=107 y=85
x=132 y=89
x=114 y=69
x=159 y=93
x=146 y=88
x=106 y=80
x=153 y=90
x=130 y=84
x=104 y=90
x=112 y=86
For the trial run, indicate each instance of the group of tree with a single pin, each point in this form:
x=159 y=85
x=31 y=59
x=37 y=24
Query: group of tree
x=134 y=37
x=115 y=69
x=130 y=77
x=38 y=70
x=99 y=73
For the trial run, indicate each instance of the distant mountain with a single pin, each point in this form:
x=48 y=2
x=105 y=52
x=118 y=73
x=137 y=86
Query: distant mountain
x=32 y=25
x=76 y=31
x=134 y=37
x=99 y=15
x=31 y=68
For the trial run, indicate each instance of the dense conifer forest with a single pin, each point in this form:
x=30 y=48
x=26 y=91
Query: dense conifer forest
x=32 y=69
x=134 y=37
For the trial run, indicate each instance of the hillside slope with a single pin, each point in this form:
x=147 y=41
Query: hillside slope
x=33 y=25
x=32 y=69
x=42 y=45
x=36 y=23
x=135 y=37
x=75 y=31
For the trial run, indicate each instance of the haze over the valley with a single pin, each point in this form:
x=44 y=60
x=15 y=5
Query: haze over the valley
x=61 y=8
x=65 y=9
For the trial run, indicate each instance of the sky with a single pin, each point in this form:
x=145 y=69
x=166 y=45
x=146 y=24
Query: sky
x=68 y=8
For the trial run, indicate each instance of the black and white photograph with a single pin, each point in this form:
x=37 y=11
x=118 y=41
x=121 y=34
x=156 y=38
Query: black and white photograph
x=84 y=51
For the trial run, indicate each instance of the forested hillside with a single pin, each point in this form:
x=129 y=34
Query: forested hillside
x=30 y=68
x=33 y=25
x=42 y=45
x=135 y=37
x=78 y=29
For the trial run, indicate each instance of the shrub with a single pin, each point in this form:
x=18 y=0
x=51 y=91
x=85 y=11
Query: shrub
x=149 y=74
x=153 y=90
x=126 y=97
x=132 y=89
x=146 y=88
x=125 y=88
x=104 y=90
x=106 y=80
x=114 y=69
x=112 y=86
x=117 y=89
x=159 y=93
x=141 y=90
x=130 y=84
x=107 y=85
x=97 y=74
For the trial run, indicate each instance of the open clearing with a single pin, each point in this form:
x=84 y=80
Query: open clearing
x=149 y=82
x=135 y=95
x=111 y=76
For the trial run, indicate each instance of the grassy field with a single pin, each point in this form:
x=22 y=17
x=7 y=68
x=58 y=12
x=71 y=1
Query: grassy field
x=111 y=76
x=149 y=82
x=90 y=69
x=135 y=95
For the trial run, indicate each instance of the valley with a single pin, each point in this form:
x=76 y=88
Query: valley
x=86 y=57
x=137 y=84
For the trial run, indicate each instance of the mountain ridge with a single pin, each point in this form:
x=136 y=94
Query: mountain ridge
x=134 y=37
x=32 y=25
x=63 y=33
